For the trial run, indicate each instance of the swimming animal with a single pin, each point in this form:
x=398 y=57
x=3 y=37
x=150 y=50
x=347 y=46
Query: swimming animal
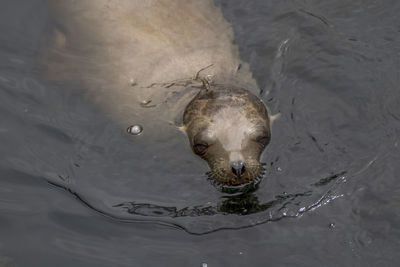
x=163 y=61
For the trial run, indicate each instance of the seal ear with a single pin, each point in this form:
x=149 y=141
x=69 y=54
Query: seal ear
x=274 y=117
x=181 y=128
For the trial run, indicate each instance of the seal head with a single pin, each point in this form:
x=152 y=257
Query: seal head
x=229 y=128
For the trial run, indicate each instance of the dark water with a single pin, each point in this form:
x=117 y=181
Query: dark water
x=75 y=190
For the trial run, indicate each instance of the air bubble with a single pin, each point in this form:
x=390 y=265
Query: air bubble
x=135 y=129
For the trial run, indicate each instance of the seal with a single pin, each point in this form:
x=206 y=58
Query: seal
x=229 y=128
x=150 y=62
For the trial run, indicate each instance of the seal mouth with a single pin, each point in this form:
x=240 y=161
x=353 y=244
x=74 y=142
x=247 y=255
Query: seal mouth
x=238 y=188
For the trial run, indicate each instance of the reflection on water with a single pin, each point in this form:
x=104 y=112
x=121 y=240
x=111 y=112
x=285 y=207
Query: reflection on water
x=286 y=205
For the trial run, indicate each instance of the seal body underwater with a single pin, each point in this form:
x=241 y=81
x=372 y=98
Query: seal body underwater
x=176 y=57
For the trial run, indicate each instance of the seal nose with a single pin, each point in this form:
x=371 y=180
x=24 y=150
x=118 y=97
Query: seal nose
x=238 y=168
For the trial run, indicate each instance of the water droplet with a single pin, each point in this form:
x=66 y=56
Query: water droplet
x=204 y=264
x=279 y=169
x=135 y=129
x=332 y=225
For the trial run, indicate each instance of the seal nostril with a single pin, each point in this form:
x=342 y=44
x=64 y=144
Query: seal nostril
x=238 y=168
x=234 y=171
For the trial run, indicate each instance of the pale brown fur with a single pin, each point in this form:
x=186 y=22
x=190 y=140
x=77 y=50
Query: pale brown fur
x=108 y=44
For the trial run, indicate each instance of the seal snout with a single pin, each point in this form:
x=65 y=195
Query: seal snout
x=238 y=168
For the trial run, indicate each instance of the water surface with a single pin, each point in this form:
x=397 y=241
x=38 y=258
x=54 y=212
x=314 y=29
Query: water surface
x=75 y=189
